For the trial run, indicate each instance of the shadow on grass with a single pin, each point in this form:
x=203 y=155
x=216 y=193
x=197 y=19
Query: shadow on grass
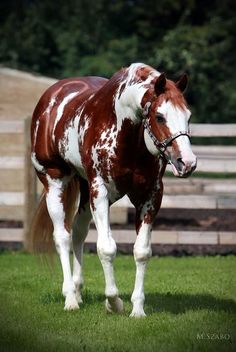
x=174 y=303
x=89 y=297
x=181 y=303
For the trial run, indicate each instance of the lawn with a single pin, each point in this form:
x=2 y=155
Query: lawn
x=190 y=303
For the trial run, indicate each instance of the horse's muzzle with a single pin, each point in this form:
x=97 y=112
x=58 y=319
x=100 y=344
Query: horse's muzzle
x=183 y=167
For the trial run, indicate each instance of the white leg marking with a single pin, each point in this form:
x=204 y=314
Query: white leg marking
x=142 y=252
x=80 y=230
x=62 y=240
x=106 y=246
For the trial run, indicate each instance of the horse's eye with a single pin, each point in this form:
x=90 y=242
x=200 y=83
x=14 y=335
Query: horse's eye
x=160 y=118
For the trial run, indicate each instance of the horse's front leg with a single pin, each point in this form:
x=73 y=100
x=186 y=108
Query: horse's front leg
x=145 y=215
x=142 y=253
x=106 y=246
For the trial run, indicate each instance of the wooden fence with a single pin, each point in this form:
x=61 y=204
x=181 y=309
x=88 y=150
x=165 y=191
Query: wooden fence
x=19 y=187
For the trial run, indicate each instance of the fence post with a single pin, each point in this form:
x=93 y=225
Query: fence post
x=30 y=185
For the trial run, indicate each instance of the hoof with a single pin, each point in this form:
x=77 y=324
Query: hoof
x=114 y=305
x=138 y=314
x=71 y=302
x=79 y=298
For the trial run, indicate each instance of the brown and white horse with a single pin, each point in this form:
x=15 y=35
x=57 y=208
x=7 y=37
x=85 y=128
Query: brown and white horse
x=95 y=140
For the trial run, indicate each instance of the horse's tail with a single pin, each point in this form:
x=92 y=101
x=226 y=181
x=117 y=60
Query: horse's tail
x=41 y=230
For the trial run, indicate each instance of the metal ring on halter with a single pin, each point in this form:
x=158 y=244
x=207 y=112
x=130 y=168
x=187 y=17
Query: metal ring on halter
x=161 y=146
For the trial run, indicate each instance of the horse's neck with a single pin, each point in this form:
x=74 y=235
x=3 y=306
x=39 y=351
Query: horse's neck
x=128 y=116
x=127 y=102
x=142 y=157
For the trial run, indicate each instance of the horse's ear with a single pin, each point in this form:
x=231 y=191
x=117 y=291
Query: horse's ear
x=182 y=83
x=160 y=83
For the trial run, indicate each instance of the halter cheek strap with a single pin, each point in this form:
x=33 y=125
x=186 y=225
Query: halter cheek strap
x=162 y=145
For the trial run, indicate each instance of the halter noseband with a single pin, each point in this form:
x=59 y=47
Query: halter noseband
x=161 y=145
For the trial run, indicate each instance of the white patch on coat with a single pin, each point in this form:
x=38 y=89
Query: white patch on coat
x=36 y=132
x=91 y=96
x=107 y=136
x=150 y=144
x=73 y=137
x=107 y=143
x=60 y=110
x=83 y=130
x=128 y=102
x=94 y=156
x=36 y=164
x=55 y=187
x=50 y=106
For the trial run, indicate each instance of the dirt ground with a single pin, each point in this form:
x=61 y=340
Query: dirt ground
x=193 y=219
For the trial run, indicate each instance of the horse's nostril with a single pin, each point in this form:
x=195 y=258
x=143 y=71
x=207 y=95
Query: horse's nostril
x=180 y=160
x=181 y=164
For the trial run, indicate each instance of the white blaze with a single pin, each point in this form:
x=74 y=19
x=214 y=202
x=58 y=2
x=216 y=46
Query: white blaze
x=177 y=121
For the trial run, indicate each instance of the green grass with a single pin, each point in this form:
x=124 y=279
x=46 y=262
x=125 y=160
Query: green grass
x=190 y=304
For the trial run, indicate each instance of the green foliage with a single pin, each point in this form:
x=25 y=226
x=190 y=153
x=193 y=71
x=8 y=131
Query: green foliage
x=201 y=52
x=111 y=58
x=76 y=38
x=187 y=300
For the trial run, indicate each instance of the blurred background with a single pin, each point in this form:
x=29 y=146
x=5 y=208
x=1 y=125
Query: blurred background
x=80 y=37
x=188 y=299
x=41 y=39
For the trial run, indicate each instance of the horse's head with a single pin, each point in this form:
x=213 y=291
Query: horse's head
x=166 y=124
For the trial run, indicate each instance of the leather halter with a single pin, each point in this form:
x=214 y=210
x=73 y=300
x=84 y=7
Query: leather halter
x=162 y=145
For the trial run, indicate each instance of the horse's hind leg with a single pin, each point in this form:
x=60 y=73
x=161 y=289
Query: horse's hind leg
x=55 y=199
x=79 y=233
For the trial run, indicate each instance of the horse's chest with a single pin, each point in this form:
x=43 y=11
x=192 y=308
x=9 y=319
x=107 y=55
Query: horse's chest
x=101 y=153
x=106 y=144
x=109 y=160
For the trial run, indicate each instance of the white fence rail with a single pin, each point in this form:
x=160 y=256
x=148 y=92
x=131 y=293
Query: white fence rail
x=16 y=195
x=197 y=130
x=210 y=159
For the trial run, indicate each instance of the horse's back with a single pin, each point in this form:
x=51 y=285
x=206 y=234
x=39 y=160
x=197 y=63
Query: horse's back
x=57 y=106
